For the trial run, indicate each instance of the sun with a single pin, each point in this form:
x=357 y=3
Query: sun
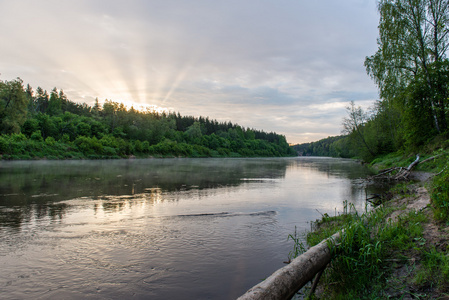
x=147 y=108
x=140 y=107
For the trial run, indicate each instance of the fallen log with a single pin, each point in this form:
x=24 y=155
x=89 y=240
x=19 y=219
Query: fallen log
x=430 y=158
x=410 y=167
x=285 y=282
x=386 y=171
x=402 y=173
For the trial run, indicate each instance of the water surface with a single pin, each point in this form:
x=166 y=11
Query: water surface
x=159 y=228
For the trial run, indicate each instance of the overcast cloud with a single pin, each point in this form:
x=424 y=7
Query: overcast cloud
x=289 y=66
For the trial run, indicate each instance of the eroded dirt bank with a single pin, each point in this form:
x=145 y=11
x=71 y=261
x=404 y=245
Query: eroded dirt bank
x=401 y=283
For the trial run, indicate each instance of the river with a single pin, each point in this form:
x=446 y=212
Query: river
x=160 y=228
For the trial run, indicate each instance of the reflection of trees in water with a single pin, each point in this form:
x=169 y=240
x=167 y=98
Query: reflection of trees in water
x=14 y=217
x=332 y=167
x=109 y=203
x=31 y=190
x=67 y=179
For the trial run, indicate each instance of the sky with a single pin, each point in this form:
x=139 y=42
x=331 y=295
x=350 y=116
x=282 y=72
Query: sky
x=284 y=66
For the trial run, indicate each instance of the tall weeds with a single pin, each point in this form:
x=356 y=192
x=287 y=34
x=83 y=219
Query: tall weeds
x=440 y=196
x=360 y=266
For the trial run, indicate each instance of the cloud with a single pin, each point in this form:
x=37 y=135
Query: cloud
x=284 y=66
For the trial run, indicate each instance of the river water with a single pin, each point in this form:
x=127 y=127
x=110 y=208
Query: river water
x=159 y=228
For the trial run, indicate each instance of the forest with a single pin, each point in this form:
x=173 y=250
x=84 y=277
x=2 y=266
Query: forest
x=411 y=71
x=36 y=125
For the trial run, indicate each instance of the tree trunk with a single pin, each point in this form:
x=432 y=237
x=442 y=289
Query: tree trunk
x=285 y=282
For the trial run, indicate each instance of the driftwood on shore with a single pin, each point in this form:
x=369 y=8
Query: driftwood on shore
x=400 y=173
x=285 y=282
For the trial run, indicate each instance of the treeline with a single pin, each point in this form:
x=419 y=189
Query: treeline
x=333 y=146
x=366 y=135
x=37 y=124
x=411 y=70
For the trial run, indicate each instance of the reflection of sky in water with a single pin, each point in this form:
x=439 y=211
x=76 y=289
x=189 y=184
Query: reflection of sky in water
x=204 y=228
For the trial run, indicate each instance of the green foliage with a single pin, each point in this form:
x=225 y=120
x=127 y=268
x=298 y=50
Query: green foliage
x=360 y=264
x=335 y=146
x=4 y=145
x=440 y=196
x=37 y=136
x=434 y=270
x=194 y=132
x=54 y=103
x=359 y=260
x=298 y=246
x=88 y=146
x=49 y=121
x=30 y=126
x=65 y=138
x=50 y=141
x=13 y=106
x=411 y=70
x=394 y=159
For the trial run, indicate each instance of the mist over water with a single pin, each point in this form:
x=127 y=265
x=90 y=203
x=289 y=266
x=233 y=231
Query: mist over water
x=159 y=228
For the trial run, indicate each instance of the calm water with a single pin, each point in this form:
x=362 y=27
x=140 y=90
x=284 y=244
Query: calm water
x=159 y=229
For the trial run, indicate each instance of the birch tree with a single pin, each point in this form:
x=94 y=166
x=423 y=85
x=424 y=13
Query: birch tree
x=411 y=55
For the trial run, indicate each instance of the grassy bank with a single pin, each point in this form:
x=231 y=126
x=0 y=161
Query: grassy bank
x=397 y=250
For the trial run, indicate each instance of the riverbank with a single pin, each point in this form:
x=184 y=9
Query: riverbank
x=398 y=250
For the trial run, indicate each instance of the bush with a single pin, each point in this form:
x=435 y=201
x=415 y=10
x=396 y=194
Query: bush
x=138 y=146
x=65 y=138
x=18 y=137
x=145 y=146
x=50 y=141
x=109 y=141
x=109 y=151
x=4 y=144
x=223 y=151
x=30 y=126
x=88 y=145
x=201 y=151
x=37 y=136
x=246 y=152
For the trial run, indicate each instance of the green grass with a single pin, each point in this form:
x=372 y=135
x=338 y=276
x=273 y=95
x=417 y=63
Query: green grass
x=372 y=249
x=440 y=196
x=434 y=270
x=395 y=159
x=401 y=159
x=360 y=266
x=439 y=187
x=298 y=246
